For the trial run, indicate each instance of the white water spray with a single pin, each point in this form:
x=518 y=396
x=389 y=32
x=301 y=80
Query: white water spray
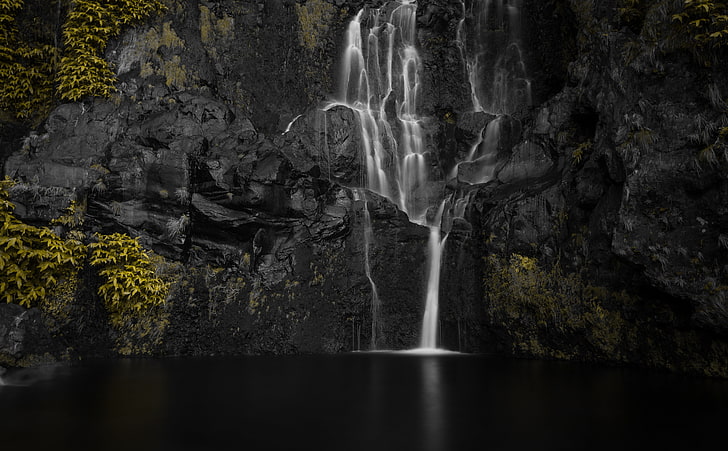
x=380 y=83
x=435 y=246
x=381 y=75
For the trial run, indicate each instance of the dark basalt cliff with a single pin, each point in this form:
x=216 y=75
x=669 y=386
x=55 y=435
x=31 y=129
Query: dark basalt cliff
x=603 y=235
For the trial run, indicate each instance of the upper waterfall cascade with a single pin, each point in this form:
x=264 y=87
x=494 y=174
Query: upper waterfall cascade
x=381 y=82
x=489 y=38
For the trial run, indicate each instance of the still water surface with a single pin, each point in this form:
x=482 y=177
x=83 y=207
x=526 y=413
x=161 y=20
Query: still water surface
x=358 y=402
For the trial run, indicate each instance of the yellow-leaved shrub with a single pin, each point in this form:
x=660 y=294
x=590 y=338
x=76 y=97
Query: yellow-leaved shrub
x=34 y=65
x=88 y=28
x=130 y=283
x=33 y=260
x=26 y=68
x=706 y=21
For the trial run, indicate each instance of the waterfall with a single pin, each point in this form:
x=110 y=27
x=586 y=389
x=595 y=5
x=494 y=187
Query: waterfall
x=368 y=238
x=489 y=39
x=435 y=247
x=489 y=36
x=380 y=82
x=290 y=124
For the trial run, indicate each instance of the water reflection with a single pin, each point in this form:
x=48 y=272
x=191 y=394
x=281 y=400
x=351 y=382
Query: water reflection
x=363 y=401
x=24 y=377
x=133 y=398
x=433 y=403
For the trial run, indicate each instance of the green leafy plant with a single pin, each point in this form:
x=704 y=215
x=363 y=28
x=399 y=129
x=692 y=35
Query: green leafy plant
x=32 y=259
x=130 y=282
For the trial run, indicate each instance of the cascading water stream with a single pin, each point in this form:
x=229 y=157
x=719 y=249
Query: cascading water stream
x=381 y=79
x=380 y=83
x=368 y=238
x=435 y=246
x=489 y=36
x=489 y=39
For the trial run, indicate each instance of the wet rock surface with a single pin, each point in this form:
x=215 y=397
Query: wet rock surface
x=221 y=153
x=24 y=338
x=614 y=189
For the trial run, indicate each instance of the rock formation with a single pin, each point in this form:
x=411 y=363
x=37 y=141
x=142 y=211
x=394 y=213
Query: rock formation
x=216 y=151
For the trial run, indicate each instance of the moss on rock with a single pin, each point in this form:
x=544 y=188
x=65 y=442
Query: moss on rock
x=547 y=313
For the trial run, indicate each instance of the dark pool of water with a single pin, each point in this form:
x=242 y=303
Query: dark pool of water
x=358 y=402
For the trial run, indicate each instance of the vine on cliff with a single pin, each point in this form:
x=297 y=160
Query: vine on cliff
x=130 y=282
x=34 y=65
x=33 y=259
x=26 y=68
x=90 y=25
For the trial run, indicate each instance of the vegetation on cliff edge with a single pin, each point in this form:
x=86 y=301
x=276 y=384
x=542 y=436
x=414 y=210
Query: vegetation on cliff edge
x=32 y=69
x=34 y=260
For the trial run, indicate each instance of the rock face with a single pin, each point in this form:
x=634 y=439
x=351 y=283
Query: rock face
x=24 y=338
x=609 y=184
x=200 y=156
x=595 y=230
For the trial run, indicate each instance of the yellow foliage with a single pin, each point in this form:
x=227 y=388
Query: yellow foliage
x=33 y=259
x=26 y=69
x=131 y=285
x=29 y=70
x=705 y=21
x=171 y=69
x=174 y=72
x=524 y=297
x=578 y=153
x=630 y=10
x=211 y=26
x=169 y=37
x=40 y=268
x=314 y=18
x=89 y=26
x=256 y=298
